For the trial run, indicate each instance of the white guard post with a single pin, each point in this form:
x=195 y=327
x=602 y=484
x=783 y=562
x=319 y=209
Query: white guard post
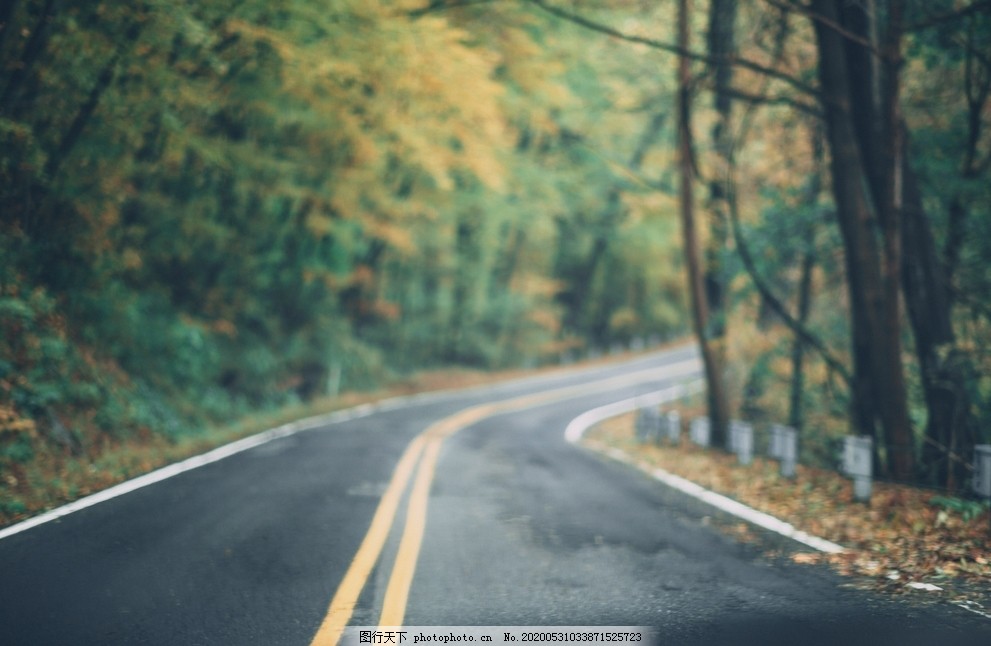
x=784 y=448
x=858 y=463
x=698 y=431
x=674 y=427
x=742 y=441
x=982 y=470
x=648 y=421
x=982 y=473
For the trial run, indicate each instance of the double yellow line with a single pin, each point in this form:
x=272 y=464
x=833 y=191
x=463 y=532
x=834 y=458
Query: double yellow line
x=421 y=456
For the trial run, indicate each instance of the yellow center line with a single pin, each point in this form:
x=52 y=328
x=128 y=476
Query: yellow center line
x=428 y=444
x=396 y=594
x=344 y=601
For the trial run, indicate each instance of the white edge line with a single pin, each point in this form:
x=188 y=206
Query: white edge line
x=973 y=610
x=225 y=451
x=239 y=446
x=194 y=462
x=188 y=464
x=574 y=431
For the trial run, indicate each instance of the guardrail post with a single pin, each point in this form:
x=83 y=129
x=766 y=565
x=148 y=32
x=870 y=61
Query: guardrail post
x=698 y=431
x=858 y=463
x=674 y=427
x=982 y=470
x=742 y=441
x=982 y=473
x=644 y=425
x=662 y=428
x=784 y=448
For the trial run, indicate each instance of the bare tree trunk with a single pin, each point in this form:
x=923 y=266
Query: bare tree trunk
x=716 y=392
x=795 y=408
x=867 y=202
x=722 y=47
x=927 y=282
x=943 y=367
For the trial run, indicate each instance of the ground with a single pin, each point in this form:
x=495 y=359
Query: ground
x=905 y=541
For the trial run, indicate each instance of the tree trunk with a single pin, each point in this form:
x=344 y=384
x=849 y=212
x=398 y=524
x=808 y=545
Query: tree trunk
x=716 y=392
x=721 y=48
x=864 y=207
x=813 y=189
x=943 y=368
x=795 y=412
x=928 y=286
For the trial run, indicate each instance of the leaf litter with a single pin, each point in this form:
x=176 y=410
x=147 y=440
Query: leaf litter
x=906 y=540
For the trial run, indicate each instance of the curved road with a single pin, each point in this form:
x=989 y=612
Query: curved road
x=497 y=521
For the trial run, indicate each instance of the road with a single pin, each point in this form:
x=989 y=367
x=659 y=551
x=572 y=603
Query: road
x=495 y=520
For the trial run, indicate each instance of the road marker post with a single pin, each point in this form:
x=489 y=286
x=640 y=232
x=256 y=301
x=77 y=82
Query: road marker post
x=741 y=441
x=982 y=474
x=648 y=425
x=674 y=427
x=858 y=463
x=699 y=431
x=784 y=448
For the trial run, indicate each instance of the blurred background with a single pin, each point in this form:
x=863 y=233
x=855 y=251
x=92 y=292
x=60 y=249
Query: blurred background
x=213 y=209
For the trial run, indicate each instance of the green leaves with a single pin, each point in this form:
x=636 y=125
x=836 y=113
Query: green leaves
x=224 y=206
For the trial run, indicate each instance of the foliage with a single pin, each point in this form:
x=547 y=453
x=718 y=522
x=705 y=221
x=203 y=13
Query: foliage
x=214 y=208
x=209 y=209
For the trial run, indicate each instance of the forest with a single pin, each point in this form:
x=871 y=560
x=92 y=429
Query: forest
x=210 y=209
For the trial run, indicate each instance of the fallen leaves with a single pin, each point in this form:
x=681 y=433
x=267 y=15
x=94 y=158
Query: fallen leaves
x=904 y=540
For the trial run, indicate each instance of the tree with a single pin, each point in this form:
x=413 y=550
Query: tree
x=865 y=144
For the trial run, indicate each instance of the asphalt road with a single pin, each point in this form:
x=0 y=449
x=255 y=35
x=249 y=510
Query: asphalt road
x=517 y=528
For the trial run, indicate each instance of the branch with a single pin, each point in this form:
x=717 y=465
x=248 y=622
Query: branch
x=828 y=22
x=89 y=106
x=780 y=38
x=82 y=116
x=775 y=100
x=674 y=49
x=796 y=326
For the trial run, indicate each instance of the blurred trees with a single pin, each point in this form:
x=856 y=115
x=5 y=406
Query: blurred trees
x=857 y=72
x=211 y=207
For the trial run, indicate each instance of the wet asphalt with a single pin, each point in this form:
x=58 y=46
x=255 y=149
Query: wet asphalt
x=523 y=529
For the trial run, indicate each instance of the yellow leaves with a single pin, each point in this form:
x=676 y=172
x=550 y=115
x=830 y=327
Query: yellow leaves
x=385 y=309
x=12 y=422
x=531 y=284
x=131 y=259
x=545 y=319
x=624 y=319
x=527 y=65
x=897 y=541
x=319 y=224
x=224 y=327
x=398 y=236
x=806 y=558
x=649 y=205
x=393 y=89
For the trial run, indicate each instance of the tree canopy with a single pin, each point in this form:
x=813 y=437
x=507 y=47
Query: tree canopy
x=212 y=207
